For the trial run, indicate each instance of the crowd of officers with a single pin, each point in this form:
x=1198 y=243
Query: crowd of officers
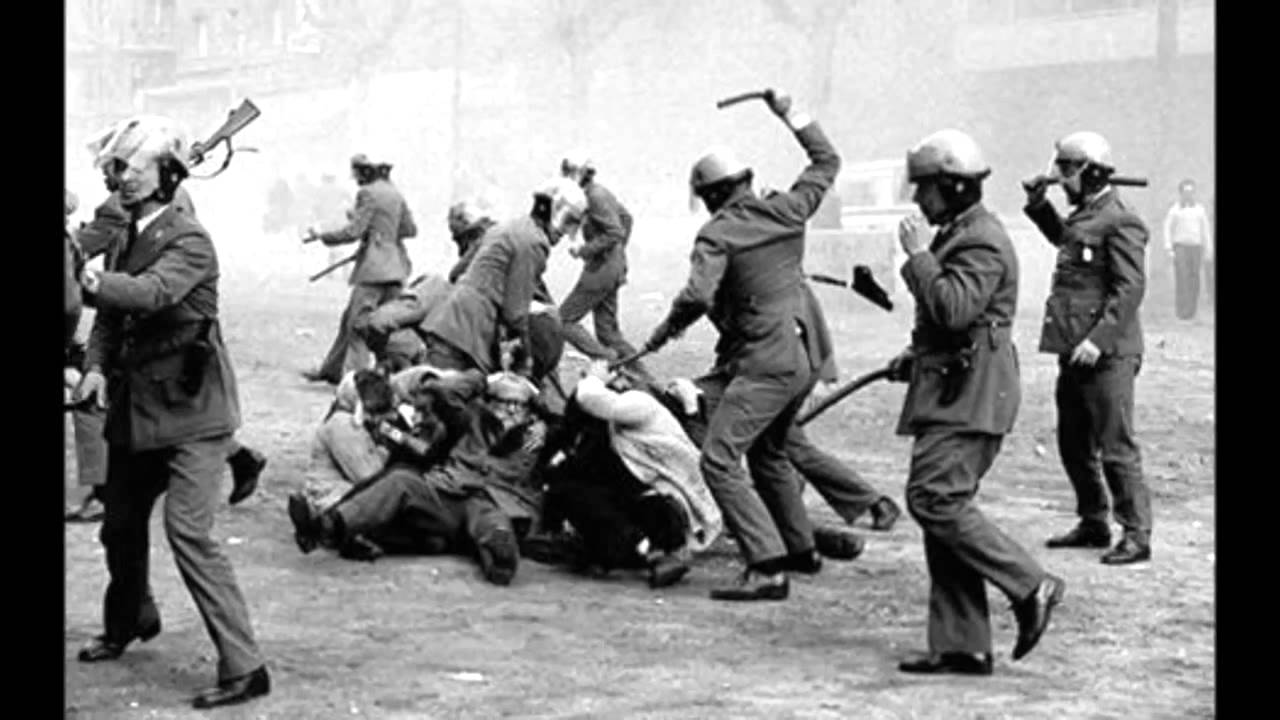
x=442 y=437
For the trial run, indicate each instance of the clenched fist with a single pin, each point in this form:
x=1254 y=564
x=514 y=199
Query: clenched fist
x=779 y=103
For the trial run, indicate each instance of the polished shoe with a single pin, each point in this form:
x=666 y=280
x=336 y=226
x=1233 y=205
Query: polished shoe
x=838 y=543
x=884 y=514
x=766 y=587
x=1032 y=613
x=1127 y=551
x=101 y=648
x=667 y=571
x=317 y=376
x=246 y=466
x=955 y=663
x=235 y=690
x=807 y=562
x=1082 y=536
x=499 y=557
x=91 y=510
x=306 y=526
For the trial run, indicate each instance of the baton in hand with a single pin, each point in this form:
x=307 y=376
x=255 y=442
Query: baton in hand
x=742 y=97
x=845 y=391
x=628 y=359
x=332 y=267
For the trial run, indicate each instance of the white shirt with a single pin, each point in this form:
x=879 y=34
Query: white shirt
x=145 y=221
x=1187 y=225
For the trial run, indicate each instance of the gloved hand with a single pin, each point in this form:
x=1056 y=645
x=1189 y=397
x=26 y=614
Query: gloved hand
x=1035 y=188
x=779 y=103
x=900 y=367
x=92 y=385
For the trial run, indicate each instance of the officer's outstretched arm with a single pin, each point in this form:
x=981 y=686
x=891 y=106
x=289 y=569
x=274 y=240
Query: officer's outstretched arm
x=708 y=262
x=355 y=230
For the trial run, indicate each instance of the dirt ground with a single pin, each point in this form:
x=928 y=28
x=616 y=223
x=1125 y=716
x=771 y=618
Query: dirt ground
x=428 y=638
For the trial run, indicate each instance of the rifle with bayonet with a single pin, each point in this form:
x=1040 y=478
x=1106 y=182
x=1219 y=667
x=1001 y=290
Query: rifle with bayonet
x=237 y=120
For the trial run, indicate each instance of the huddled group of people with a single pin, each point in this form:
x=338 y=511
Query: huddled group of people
x=451 y=430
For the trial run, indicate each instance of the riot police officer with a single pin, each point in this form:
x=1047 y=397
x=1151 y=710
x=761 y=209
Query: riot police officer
x=962 y=399
x=1092 y=325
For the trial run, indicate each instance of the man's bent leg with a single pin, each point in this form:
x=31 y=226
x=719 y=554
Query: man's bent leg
x=946 y=469
x=592 y=287
x=840 y=485
x=194 y=473
x=365 y=298
x=745 y=411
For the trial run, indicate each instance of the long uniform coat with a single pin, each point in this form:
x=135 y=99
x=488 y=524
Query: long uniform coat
x=1099 y=277
x=495 y=291
x=966 y=290
x=151 y=305
x=380 y=223
x=1098 y=285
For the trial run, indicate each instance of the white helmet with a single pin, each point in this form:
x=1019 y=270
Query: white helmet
x=718 y=163
x=142 y=137
x=946 y=152
x=1083 y=148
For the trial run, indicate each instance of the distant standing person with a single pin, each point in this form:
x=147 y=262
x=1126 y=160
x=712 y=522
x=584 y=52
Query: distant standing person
x=1189 y=242
x=380 y=223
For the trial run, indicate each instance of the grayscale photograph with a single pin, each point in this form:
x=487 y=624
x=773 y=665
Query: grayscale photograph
x=616 y=359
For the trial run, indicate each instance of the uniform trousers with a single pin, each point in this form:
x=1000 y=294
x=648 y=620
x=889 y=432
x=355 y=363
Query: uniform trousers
x=188 y=475
x=839 y=485
x=596 y=292
x=961 y=546
x=1096 y=441
x=349 y=350
x=762 y=506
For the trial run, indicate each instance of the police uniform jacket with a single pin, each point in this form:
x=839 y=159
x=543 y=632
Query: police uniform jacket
x=380 y=223
x=496 y=289
x=747 y=274
x=110 y=222
x=605 y=231
x=966 y=292
x=1099 y=277
x=156 y=338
